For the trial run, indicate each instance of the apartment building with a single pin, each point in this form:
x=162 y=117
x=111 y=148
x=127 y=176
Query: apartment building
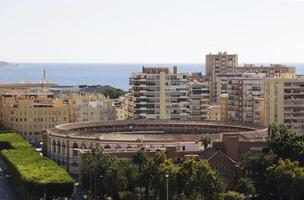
x=224 y=107
x=94 y=110
x=245 y=99
x=284 y=102
x=199 y=100
x=160 y=94
x=124 y=107
x=31 y=116
x=221 y=79
x=220 y=63
x=273 y=70
x=89 y=107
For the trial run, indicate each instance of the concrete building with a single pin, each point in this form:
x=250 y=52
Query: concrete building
x=245 y=99
x=214 y=113
x=65 y=143
x=89 y=107
x=271 y=71
x=224 y=107
x=199 y=100
x=160 y=94
x=222 y=79
x=32 y=116
x=97 y=110
x=124 y=107
x=220 y=63
x=284 y=102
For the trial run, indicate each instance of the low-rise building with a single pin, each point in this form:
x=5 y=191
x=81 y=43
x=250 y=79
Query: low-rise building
x=214 y=113
x=225 y=153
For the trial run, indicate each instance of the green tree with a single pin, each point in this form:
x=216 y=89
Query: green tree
x=232 y=195
x=288 y=179
x=286 y=144
x=115 y=181
x=255 y=166
x=199 y=181
x=140 y=159
x=246 y=187
x=206 y=140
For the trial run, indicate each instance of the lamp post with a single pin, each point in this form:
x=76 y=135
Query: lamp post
x=44 y=195
x=167 y=184
x=76 y=185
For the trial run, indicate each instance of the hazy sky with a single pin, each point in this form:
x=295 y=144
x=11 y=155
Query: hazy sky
x=150 y=30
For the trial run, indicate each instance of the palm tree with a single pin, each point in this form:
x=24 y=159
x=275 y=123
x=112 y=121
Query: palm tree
x=206 y=140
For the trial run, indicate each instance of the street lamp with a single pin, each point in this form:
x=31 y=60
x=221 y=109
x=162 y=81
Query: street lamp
x=44 y=195
x=75 y=190
x=167 y=179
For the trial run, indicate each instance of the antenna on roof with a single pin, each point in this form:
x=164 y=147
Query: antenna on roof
x=44 y=80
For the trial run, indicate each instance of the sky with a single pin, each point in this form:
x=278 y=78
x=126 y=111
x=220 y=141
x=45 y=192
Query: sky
x=151 y=31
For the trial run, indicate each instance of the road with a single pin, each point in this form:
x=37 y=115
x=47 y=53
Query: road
x=6 y=190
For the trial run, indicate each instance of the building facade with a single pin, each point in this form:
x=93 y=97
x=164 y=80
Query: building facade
x=284 y=102
x=66 y=143
x=31 y=117
x=220 y=63
x=162 y=94
x=245 y=99
x=199 y=100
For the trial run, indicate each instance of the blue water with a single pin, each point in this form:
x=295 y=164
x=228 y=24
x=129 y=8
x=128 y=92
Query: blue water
x=116 y=75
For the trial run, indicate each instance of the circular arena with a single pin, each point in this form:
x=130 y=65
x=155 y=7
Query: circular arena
x=66 y=142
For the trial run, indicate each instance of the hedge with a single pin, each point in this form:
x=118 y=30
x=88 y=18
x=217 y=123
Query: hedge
x=31 y=172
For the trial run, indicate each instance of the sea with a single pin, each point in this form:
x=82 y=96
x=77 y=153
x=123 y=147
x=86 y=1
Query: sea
x=113 y=74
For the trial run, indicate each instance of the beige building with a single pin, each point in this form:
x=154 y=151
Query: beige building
x=284 y=102
x=220 y=63
x=31 y=116
x=214 y=113
x=160 y=94
x=224 y=107
x=124 y=110
x=121 y=114
x=89 y=107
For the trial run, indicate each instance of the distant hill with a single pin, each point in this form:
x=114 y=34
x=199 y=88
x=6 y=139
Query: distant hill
x=106 y=90
x=6 y=64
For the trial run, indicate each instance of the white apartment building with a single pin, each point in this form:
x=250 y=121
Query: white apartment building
x=162 y=94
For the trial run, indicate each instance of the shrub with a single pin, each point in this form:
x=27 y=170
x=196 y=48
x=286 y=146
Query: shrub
x=32 y=172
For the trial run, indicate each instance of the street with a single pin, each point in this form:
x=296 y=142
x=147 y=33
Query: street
x=6 y=191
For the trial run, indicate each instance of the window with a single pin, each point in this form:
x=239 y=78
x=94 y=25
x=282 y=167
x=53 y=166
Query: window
x=58 y=147
x=63 y=148
x=75 y=149
x=220 y=168
x=54 y=146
